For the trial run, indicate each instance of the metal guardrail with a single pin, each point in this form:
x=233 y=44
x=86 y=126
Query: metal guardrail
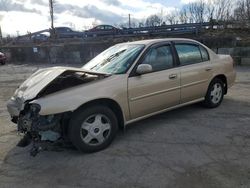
x=169 y=27
x=176 y=29
x=148 y=29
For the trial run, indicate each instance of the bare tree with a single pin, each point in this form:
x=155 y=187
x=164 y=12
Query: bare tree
x=247 y=9
x=197 y=11
x=184 y=15
x=206 y=11
x=242 y=11
x=153 y=20
x=222 y=10
x=172 y=18
x=209 y=10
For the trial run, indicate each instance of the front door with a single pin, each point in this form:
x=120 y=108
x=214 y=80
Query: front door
x=157 y=90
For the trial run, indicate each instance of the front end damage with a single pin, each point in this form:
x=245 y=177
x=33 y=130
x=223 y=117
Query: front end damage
x=38 y=129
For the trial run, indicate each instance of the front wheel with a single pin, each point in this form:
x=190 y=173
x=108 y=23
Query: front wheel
x=214 y=94
x=93 y=129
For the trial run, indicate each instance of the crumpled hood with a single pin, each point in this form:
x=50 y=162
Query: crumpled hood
x=40 y=79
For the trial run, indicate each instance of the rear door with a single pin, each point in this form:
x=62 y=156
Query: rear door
x=195 y=70
x=155 y=91
x=109 y=30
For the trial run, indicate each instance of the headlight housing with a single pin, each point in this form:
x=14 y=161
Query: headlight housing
x=35 y=108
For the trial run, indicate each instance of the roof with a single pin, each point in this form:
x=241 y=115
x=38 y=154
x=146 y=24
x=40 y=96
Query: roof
x=153 y=41
x=104 y=25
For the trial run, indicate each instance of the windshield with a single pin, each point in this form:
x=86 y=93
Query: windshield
x=115 y=60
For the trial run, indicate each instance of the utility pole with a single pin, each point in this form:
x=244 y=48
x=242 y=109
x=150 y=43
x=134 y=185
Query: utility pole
x=1 y=36
x=129 y=22
x=51 y=10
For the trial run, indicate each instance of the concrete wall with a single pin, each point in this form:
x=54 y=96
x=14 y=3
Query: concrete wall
x=241 y=55
x=69 y=53
x=82 y=52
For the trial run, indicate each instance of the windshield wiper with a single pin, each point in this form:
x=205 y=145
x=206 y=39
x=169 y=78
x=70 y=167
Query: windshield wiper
x=115 y=55
x=105 y=61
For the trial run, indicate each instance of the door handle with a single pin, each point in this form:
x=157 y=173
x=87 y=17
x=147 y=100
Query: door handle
x=172 y=76
x=208 y=69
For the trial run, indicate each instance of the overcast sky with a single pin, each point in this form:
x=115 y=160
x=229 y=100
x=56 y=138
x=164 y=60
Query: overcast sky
x=20 y=16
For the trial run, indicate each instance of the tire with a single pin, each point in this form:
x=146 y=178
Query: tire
x=92 y=129
x=215 y=93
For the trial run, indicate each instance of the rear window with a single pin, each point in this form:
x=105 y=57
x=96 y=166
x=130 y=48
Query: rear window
x=188 y=54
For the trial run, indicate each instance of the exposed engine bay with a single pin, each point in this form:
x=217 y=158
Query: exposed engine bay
x=66 y=80
x=49 y=128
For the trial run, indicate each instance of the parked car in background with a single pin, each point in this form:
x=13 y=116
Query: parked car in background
x=66 y=32
x=40 y=37
x=125 y=83
x=3 y=58
x=102 y=30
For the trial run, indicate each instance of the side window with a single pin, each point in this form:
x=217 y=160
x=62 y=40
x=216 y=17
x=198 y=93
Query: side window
x=100 y=27
x=108 y=27
x=160 y=58
x=188 y=54
x=204 y=54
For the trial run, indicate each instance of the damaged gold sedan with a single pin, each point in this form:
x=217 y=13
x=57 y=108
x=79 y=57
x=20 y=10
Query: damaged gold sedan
x=123 y=84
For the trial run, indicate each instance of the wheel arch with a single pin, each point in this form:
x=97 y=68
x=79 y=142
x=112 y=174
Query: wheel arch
x=110 y=103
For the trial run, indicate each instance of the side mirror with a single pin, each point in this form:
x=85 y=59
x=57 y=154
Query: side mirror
x=144 y=68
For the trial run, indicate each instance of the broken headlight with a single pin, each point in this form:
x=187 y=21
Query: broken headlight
x=35 y=108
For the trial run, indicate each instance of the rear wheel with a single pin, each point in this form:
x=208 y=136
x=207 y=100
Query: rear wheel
x=93 y=129
x=214 y=94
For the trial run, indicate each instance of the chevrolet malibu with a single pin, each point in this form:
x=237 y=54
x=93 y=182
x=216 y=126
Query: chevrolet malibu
x=125 y=83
